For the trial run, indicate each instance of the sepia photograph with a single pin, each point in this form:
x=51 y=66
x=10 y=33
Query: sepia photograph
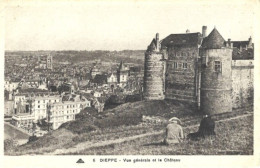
x=133 y=78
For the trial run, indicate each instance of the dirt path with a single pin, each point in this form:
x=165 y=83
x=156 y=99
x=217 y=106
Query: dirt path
x=89 y=144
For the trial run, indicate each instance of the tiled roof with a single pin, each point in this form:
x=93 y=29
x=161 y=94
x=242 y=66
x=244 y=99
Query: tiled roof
x=243 y=55
x=32 y=90
x=213 y=41
x=182 y=39
x=100 y=79
x=237 y=44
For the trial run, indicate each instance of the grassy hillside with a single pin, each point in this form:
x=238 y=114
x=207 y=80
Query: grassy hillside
x=234 y=137
x=130 y=114
x=122 y=121
x=125 y=121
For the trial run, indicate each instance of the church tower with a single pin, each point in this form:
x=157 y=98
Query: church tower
x=154 y=71
x=49 y=62
x=216 y=78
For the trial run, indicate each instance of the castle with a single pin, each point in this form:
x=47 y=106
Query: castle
x=214 y=74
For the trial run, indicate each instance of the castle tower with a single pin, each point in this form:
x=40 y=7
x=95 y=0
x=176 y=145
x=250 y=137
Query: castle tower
x=216 y=79
x=154 y=71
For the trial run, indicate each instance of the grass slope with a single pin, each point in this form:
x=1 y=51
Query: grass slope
x=233 y=137
x=121 y=121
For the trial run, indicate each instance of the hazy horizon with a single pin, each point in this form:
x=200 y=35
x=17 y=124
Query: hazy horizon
x=119 y=26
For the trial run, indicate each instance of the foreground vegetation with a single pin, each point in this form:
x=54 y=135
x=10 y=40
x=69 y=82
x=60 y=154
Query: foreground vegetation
x=233 y=137
x=123 y=121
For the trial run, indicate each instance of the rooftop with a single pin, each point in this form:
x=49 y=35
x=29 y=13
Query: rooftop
x=243 y=55
x=213 y=41
x=182 y=39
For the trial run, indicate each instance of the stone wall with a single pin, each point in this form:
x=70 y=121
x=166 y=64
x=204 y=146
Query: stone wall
x=242 y=83
x=154 y=76
x=182 y=80
x=216 y=87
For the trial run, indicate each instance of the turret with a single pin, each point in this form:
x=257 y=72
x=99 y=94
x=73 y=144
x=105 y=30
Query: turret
x=216 y=80
x=154 y=68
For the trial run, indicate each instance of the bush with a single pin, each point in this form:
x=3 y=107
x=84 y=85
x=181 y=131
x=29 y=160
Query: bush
x=32 y=138
x=9 y=144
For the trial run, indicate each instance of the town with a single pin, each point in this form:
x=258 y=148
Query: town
x=42 y=93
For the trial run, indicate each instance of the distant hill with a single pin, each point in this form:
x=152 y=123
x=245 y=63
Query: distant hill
x=74 y=56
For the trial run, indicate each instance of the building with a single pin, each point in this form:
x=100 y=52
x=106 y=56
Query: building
x=66 y=109
x=154 y=71
x=9 y=107
x=11 y=85
x=213 y=74
x=99 y=103
x=122 y=74
x=99 y=80
x=242 y=73
x=40 y=102
x=49 y=62
x=182 y=54
x=216 y=74
x=112 y=80
x=23 y=120
x=45 y=62
x=95 y=70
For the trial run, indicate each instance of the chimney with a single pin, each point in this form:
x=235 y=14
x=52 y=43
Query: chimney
x=157 y=41
x=229 y=42
x=204 y=31
x=227 y=45
x=250 y=44
x=187 y=31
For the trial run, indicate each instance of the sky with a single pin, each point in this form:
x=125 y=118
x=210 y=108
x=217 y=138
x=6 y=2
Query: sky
x=119 y=25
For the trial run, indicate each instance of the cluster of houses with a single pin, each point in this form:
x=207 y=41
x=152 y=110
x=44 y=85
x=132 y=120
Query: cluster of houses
x=55 y=94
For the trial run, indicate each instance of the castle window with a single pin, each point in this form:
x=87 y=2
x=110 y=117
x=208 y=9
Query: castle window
x=184 y=65
x=175 y=65
x=217 y=66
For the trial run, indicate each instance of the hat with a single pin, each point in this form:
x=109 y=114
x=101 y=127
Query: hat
x=175 y=119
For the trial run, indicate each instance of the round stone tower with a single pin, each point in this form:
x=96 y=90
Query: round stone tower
x=154 y=68
x=216 y=79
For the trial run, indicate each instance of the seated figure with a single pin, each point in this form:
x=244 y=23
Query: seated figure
x=207 y=126
x=174 y=132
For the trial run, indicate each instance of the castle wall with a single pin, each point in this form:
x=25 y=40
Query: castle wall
x=182 y=73
x=216 y=87
x=154 y=76
x=242 y=83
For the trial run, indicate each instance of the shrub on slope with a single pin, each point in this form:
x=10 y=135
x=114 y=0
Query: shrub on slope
x=126 y=114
